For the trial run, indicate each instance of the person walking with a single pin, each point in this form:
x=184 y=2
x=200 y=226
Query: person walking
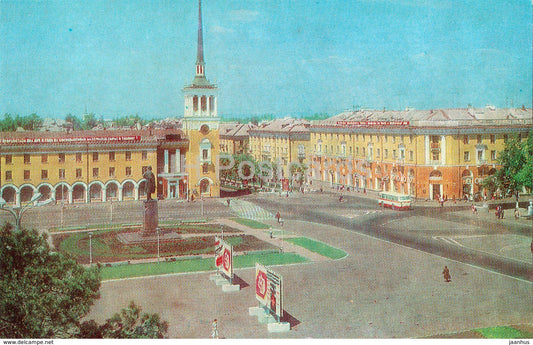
x=214 y=333
x=278 y=217
x=446 y=274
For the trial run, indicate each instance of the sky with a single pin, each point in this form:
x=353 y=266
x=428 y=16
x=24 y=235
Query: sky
x=287 y=58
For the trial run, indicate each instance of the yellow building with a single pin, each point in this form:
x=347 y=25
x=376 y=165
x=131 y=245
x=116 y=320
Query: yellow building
x=201 y=125
x=99 y=166
x=425 y=153
x=83 y=166
x=234 y=137
x=284 y=142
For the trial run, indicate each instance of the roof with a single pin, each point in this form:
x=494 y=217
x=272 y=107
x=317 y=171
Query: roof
x=93 y=136
x=462 y=117
x=285 y=125
x=235 y=129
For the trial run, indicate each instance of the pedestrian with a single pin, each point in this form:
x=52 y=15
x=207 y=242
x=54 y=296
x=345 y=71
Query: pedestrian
x=278 y=216
x=516 y=213
x=228 y=202
x=446 y=274
x=214 y=333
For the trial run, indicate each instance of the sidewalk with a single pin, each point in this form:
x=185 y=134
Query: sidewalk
x=276 y=241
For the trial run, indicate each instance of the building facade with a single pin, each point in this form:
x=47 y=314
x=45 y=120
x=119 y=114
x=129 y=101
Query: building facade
x=235 y=137
x=283 y=142
x=84 y=166
x=108 y=165
x=426 y=154
x=201 y=125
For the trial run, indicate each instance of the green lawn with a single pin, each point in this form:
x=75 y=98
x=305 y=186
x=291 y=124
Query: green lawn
x=503 y=332
x=251 y=223
x=196 y=265
x=317 y=247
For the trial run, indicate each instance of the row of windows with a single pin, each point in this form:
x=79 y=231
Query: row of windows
x=79 y=173
x=61 y=157
x=466 y=138
x=371 y=137
x=480 y=155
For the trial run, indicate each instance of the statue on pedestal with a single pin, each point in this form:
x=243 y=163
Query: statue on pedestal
x=149 y=187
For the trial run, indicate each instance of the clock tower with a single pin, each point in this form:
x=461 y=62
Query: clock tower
x=201 y=125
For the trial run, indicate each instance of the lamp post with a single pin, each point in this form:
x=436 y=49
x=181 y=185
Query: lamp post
x=158 y=232
x=90 y=248
x=18 y=212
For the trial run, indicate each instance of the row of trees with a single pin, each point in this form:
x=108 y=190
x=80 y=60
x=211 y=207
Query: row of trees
x=10 y=123
x=244 y=167
x=44 y=294
x=34 y=122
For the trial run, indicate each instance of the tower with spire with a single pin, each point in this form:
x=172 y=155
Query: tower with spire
x=201 y=125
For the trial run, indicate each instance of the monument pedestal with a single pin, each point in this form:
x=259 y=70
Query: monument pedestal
x=150 y=218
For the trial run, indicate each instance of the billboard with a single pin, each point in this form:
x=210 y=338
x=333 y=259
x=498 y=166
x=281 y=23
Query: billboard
x=269 y=290
x=224 y=257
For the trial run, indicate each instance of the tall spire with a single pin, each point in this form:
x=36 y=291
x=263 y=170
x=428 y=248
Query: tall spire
x=200 y=58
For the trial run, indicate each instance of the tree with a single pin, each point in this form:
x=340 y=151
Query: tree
x=43 y=294
x=130 y=324
x=516 y=160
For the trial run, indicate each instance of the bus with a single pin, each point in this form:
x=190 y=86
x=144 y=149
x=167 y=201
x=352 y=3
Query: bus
x=396 y=201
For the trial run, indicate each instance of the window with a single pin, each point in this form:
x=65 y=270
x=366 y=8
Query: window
x=112 y=172
x=44 y=158
x=26 y=174
x=26 y=158
x=78 y=173
x=436 y=156
x=95 y=156
x=128 y=155
x=466 y=156
x=357 y=151
x=9 y=175
x=492 y=138
x=205 y=154
x=465 y=139
x=128 y=171
x=385 y=153
x=78 y=157
x=377 y=153
x=44 y=174
x=61 y=157
x=394 y=154
x=112 y=156
x=61 y=173
x=411 y=155
x=493 y=155
x=144 y=155
x=205 y=168
x=95 y=172
x=9 y=159
x=479 y=155
x=479 y=138
x=364 y=150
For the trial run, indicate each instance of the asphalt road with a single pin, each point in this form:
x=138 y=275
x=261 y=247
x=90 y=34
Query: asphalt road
x=372 y=220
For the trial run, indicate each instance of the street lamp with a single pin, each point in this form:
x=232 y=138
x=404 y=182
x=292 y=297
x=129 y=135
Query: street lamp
x=18 y=212
x=90 y=248
x=158 y=232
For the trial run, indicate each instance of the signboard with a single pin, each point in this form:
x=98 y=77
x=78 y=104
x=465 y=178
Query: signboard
x=269 y=290
x=224 y=257
x=285 y=184
x=372 y=123
x=67 y=140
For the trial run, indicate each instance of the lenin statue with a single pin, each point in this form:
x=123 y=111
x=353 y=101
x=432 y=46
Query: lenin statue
x=149 y=187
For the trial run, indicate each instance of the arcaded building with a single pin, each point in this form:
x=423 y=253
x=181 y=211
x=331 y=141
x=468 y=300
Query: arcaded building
x=107 y=165
x=424 y=153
